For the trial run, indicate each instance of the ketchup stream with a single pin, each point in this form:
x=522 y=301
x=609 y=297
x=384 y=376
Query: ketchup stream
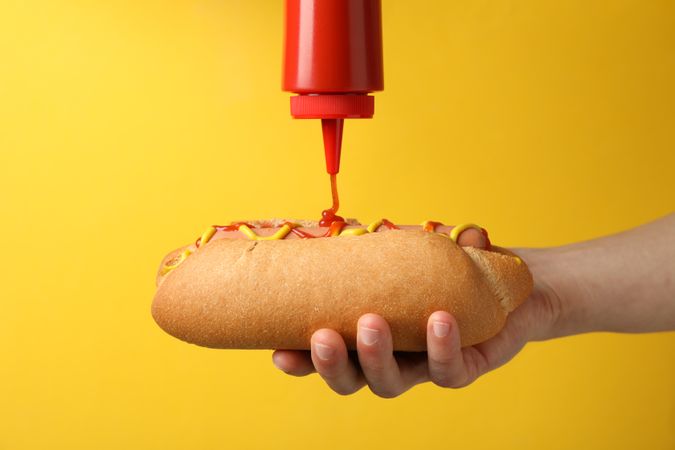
x=334 y=229
x=328 y=215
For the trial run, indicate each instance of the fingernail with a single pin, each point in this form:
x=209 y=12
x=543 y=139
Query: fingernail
x=369 y=336
x=441 y=329
x=324 y=352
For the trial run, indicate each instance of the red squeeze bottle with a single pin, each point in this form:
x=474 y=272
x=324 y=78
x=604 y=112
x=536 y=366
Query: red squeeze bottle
x=333 y=59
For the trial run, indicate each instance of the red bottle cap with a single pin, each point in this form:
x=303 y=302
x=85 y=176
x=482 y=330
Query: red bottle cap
x=332 y=106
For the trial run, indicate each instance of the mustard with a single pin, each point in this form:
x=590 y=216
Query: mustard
x=207 y=235
x=182 y=257
x=280 y=234
x=353 y=231
x=455 y=232
x=372 y=228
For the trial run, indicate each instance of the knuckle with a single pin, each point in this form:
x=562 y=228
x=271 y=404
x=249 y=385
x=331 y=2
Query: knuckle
x=333 y=374
x=441 y=381
x=345 y=390
x=447 y=380
x=464 y=383
x=371 y=352
x=443 y=360
x=327 y=365
x=384 y=392
x=374 y=364
x=331 y=368
x=375 y=369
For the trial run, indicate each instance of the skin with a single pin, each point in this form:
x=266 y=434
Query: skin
x=620 y=283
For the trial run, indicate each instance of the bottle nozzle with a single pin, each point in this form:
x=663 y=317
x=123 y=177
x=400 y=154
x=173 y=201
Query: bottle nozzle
x=332 y=143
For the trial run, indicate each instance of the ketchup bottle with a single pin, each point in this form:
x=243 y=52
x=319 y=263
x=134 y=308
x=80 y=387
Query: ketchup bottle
x=333 y=59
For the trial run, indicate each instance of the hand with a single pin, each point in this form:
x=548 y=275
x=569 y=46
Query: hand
x=389 y=374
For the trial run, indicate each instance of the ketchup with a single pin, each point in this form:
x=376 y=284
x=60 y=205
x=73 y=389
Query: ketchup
x=431 y=226
x=328 y=216
x=234 y=226
x=333 y=230
x=389 y=225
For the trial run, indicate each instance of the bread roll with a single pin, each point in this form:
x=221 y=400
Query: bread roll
x=243 y=294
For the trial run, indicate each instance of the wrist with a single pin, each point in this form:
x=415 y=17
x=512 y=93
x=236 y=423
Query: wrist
x=620 y=283
x=556 y=294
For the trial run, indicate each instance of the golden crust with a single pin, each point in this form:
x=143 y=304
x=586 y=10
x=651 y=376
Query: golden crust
x=236 y=293
x=507 y=273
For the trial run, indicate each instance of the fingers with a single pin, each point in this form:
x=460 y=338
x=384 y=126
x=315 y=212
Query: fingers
x=330 y=358
x=375 y=350
x=294 y=362
x=446 y=359
x=446 y=363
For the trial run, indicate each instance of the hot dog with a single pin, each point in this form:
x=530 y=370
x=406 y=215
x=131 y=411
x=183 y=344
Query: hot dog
x=271 y=284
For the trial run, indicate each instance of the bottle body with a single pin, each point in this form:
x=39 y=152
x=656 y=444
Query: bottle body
x=333 y=47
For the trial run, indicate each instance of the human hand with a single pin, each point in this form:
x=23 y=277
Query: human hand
x=389 y=374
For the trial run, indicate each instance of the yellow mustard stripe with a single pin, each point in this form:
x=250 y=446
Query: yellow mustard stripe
x=280 y=234
x=183 y=256
x=372 y=228
x=353 y=231
x=518 y=260
x=455 y=232
x=206 y=236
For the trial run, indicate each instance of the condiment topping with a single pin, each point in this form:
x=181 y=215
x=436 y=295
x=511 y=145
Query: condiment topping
x=335 y=228
x=328 y=216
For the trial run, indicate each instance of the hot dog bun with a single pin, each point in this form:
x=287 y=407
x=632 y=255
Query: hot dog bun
x=237 y=293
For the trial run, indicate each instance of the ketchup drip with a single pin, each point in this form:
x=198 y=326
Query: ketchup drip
x=328 y=216
x=431 y=226
x=333 y=230
x=234 y=226
x=389 y=225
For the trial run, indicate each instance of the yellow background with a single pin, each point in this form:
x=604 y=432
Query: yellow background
x=126 y=127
